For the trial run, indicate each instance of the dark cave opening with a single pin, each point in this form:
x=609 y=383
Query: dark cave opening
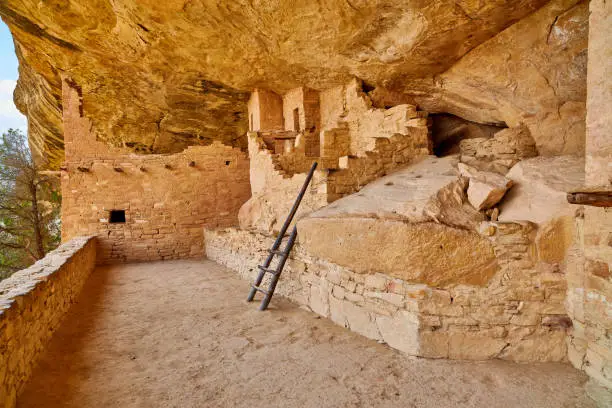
x=447 y=132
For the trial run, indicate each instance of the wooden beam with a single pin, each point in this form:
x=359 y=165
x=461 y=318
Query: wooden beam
x=591 y=196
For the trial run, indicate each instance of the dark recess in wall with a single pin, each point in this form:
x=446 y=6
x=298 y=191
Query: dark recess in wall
x=447 y=131
x=116 y=217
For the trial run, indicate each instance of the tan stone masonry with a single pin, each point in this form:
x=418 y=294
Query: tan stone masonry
x=166 y=199
x=33 y=302
x=353 y=142
x=518 y=315
x=589 y=299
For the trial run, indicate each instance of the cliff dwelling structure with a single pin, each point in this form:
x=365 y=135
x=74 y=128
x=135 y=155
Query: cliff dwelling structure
x=454 y=246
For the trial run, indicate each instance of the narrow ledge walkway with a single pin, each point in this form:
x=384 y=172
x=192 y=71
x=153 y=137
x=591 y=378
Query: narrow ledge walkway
x=179 y=334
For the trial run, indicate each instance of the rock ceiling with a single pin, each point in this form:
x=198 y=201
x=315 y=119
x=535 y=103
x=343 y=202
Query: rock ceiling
x=158 y=76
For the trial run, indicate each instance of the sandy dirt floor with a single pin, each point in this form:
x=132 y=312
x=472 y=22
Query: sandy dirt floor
x=179 y=334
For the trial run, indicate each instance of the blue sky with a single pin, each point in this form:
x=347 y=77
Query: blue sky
x=9 y=115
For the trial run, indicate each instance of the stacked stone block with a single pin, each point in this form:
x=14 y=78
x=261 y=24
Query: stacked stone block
x=166 y=199
x=518 y=315
x=33 y=303
x=499 y=153
x=389 y=154
x=590 y=277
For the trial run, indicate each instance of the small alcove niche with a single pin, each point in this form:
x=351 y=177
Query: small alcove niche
x=116 y=217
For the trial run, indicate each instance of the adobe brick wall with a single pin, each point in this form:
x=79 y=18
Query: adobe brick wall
x=166 y=198
x=385 y=140
x=275 y=190
x=350 y=106
x=33 y=303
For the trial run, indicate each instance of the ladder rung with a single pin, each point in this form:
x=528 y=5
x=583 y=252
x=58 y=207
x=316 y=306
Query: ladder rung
x=275 y=250
x=262 y=268
x=257 y=288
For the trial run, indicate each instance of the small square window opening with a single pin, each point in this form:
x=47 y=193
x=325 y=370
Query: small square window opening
x=116 y=217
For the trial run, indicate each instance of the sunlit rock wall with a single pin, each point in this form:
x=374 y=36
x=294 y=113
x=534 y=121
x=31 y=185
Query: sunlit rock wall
x=159 y=76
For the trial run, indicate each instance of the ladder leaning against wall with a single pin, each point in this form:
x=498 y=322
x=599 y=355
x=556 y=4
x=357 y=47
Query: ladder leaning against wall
x=276 y=251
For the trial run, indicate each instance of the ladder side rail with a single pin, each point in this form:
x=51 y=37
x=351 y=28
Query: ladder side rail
x=294 y=209
x=283 y=230
x=281 y=264
x=259 y=278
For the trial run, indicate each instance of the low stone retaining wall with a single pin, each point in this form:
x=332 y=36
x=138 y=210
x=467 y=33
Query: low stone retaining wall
x=33 y=302
x=519 y=315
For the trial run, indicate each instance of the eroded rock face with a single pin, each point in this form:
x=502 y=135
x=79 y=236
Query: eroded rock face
x=414 y=224
x=540 y=189
x=402 y=250
x=533 y=73
x=157 y=76
x=485 y=189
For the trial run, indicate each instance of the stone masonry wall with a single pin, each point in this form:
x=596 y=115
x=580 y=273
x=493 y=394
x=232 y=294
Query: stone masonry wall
x=33 y=302
x=166 y=198
x=366 y=124
x=265 y=111
x=388 y=154
x=357 y=144
x=275 y=190
x=306 y=101
x=519 y=315
x=590 y=279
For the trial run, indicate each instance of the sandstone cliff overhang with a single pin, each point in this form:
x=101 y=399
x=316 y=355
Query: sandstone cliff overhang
x=159 y=76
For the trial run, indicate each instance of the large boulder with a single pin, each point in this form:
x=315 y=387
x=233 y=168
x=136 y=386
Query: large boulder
x=540 y=196
x=540 y=188
x=430 y=253
x=414 y=224
x=428 y=190
x=485 y=188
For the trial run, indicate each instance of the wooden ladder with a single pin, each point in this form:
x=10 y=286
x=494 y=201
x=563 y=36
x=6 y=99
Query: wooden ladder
x=275 y=251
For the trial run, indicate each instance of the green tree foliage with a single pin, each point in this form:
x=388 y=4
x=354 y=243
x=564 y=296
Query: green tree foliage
x=29 y=206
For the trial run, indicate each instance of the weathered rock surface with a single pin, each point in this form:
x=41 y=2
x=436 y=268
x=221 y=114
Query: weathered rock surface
x=485 y=188
x=406 y=194
x=429 y=253
x=533 y=73
x=500 y=152
x=157 y=76
x=413 y=224
x=540 y=189
x=554 y=238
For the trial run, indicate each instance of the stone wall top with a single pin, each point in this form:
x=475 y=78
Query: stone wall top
x=33 y=303
x=25 y=280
